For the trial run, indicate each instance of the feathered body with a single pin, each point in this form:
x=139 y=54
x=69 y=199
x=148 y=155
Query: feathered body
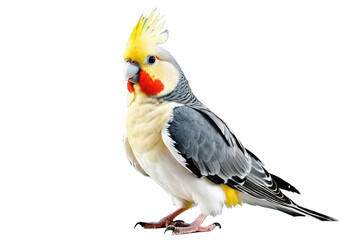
x=146 y=124
x=181 y=144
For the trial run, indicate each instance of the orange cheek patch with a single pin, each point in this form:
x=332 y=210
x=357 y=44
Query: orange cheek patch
x=148 y=85
x=130 y=87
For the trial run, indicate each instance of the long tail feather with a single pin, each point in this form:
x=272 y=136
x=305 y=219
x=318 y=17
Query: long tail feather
x=297 y=210
x=317 y=215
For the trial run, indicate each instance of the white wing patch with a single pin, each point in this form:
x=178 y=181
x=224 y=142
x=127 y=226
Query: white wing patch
x=170 y=144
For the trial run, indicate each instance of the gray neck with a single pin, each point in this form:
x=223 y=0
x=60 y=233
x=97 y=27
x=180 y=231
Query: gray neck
x=182 y=93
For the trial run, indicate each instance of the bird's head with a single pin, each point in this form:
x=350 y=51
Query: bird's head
x=149 y=69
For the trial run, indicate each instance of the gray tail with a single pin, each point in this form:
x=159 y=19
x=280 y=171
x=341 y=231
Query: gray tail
x=296 y=210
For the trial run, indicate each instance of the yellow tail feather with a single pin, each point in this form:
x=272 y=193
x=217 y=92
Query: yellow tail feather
x=232 y=196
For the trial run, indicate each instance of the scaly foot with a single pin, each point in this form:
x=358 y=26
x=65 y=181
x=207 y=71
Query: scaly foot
x=192 y=228
x=165 y=222
x=162 y=224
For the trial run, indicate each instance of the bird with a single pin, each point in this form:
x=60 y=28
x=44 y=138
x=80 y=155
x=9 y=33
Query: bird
x=182 y=145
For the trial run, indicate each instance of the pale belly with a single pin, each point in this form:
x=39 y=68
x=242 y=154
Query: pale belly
x=181 y=184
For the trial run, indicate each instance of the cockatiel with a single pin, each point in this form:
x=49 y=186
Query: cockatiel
x=183 y=146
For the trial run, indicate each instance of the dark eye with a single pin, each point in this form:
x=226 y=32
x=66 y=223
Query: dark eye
x=151 y=59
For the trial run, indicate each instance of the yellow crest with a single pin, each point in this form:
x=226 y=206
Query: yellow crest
x=144 y=37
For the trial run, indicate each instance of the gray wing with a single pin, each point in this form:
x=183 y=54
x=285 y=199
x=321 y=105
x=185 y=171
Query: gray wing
x=131 y=157
x=199 y=143
x=204 y=149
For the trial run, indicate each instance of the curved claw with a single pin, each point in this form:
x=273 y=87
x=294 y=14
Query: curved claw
x=140 y=223
x=178 y=221
x=169 y=228
x=217 y=224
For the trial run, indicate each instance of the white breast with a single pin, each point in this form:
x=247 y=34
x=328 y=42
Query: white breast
x=144 y=122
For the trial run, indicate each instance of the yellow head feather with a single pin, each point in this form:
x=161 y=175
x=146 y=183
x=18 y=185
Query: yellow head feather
x=145 y=37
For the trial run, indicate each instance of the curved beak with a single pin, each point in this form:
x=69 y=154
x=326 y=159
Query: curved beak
x=131 y=72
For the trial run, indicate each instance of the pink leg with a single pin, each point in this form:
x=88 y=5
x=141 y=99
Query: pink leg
x=193 y=227
x=165 y=221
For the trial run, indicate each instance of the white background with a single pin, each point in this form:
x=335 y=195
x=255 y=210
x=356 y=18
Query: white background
x=284 y=75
